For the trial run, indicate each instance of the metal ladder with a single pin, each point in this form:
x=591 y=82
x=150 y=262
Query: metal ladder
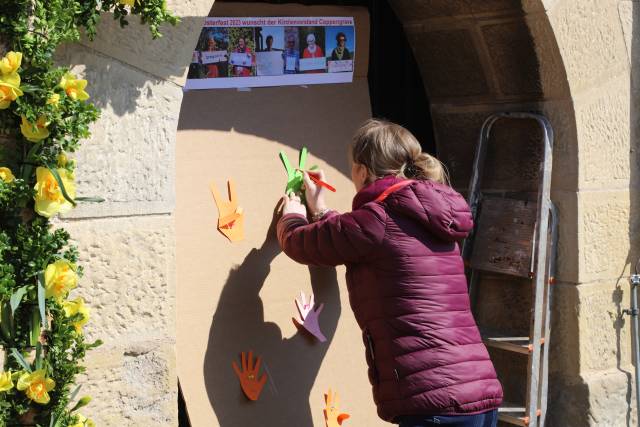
x=517 y=238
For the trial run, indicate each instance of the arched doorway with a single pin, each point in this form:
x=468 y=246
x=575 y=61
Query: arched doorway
x=475 y=59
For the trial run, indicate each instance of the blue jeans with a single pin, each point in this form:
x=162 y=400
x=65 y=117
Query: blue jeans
x=485 y=419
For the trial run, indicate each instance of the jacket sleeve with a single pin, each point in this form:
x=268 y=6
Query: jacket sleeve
x=335 y=239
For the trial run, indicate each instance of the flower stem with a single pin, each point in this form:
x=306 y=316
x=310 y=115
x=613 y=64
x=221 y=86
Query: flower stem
x=35 y=326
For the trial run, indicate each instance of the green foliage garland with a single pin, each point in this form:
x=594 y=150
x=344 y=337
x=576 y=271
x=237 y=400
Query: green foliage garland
x=44 y=114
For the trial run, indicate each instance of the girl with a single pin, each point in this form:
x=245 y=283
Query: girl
x=405 y=276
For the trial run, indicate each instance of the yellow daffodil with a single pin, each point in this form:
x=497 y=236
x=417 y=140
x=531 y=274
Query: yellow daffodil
x=128 y=2
x=36 y=386
x=5 y=381
x=59 y=278
x=74 y=307
x=54 y=99
x=9 y=79
x=83 y=421
x=62 y=160
x=6 y=175
x=74 y=87
x=10 y=63
x=35 y=132
x=8 y=94
x=9 y=89
x=49 y=198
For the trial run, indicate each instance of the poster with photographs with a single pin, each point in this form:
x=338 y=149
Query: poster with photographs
x=275 y=51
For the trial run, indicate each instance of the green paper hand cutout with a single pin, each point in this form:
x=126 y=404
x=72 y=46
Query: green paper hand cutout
x=294 y=176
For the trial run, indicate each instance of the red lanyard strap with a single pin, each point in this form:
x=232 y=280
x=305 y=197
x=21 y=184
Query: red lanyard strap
x=395 y=187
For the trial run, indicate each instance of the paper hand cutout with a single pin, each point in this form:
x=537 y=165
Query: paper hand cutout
x=251 y=385
x=332 y=415
x=309 y=317
x=231 y=218
x=294 y=175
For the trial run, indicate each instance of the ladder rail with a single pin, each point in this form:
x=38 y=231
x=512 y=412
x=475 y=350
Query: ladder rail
x=537 y=369
x=540 y=273
x=544 y=373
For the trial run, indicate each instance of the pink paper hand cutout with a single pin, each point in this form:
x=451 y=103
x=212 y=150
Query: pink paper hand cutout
x=309 y=317
x=251 y=385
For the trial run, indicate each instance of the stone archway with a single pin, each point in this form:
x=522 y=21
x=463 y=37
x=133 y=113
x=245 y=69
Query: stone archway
x=571 y=59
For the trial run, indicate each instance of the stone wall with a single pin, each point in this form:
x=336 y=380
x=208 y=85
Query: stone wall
x=127 y=244
x=575 y=60
x=572 y=60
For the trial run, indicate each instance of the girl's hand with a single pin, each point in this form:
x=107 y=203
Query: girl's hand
x=293 y=205
x=314 y=194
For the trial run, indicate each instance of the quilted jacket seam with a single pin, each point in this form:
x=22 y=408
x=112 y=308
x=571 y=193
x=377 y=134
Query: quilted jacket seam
x=445 y=386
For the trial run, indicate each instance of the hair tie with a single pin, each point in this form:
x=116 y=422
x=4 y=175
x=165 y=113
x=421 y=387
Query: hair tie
x=410 y=170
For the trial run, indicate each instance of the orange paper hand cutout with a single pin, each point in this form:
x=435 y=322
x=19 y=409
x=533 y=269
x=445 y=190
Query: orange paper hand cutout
x=231 y=218
x=251 y=385
x=332 y=415
x=309 y=317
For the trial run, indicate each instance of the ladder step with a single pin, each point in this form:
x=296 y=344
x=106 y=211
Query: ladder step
x=505 y=342
x=512 y=413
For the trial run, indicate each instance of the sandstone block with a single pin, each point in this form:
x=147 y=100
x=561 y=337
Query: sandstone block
x=449 y=63
x=608 y=227
x=602 y=122
x=564 y=351
x=549 y=63
x=565 y=144
x=130 y=387
x=591 y=41
x=166 y=58
x=567 y=266
x=601 y=398
x=513 y=58
x=129 y=160
x=128 y=277
x=605 y=332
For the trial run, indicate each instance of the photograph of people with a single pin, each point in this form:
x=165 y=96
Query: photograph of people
x=340 y=52
x=214 y=69
x=313 y=50
x=270 y=42
x=241 y=42
x=195 y=68
x=291 y=52
x=212 y=53
x=240 y=70
x=341 y=57
x=312 y=57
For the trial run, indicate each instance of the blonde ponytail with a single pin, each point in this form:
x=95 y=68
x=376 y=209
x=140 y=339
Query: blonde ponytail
x=426 y=166
x=386 y=148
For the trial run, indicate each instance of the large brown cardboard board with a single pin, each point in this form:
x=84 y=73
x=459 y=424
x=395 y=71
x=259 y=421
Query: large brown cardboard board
x=234 y=297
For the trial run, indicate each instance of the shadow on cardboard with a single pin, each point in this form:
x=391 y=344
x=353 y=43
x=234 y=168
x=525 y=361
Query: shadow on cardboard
x=291 y=364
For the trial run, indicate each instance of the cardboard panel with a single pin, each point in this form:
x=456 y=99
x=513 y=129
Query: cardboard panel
x=234 y=297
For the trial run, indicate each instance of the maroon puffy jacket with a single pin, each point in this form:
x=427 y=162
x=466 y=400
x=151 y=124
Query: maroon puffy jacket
x=408 y=292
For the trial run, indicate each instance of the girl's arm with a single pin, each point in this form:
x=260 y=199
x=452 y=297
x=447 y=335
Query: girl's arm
x=336 y=239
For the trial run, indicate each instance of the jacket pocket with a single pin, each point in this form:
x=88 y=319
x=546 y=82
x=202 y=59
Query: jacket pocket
x=371 y=357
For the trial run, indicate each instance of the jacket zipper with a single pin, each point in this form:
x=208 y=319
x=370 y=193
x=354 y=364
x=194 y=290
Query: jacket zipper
x=373 y=356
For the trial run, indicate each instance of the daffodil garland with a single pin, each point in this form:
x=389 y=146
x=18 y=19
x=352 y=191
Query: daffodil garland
x=44 y=114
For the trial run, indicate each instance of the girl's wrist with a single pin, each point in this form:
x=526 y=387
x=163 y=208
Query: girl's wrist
x=316 y=215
